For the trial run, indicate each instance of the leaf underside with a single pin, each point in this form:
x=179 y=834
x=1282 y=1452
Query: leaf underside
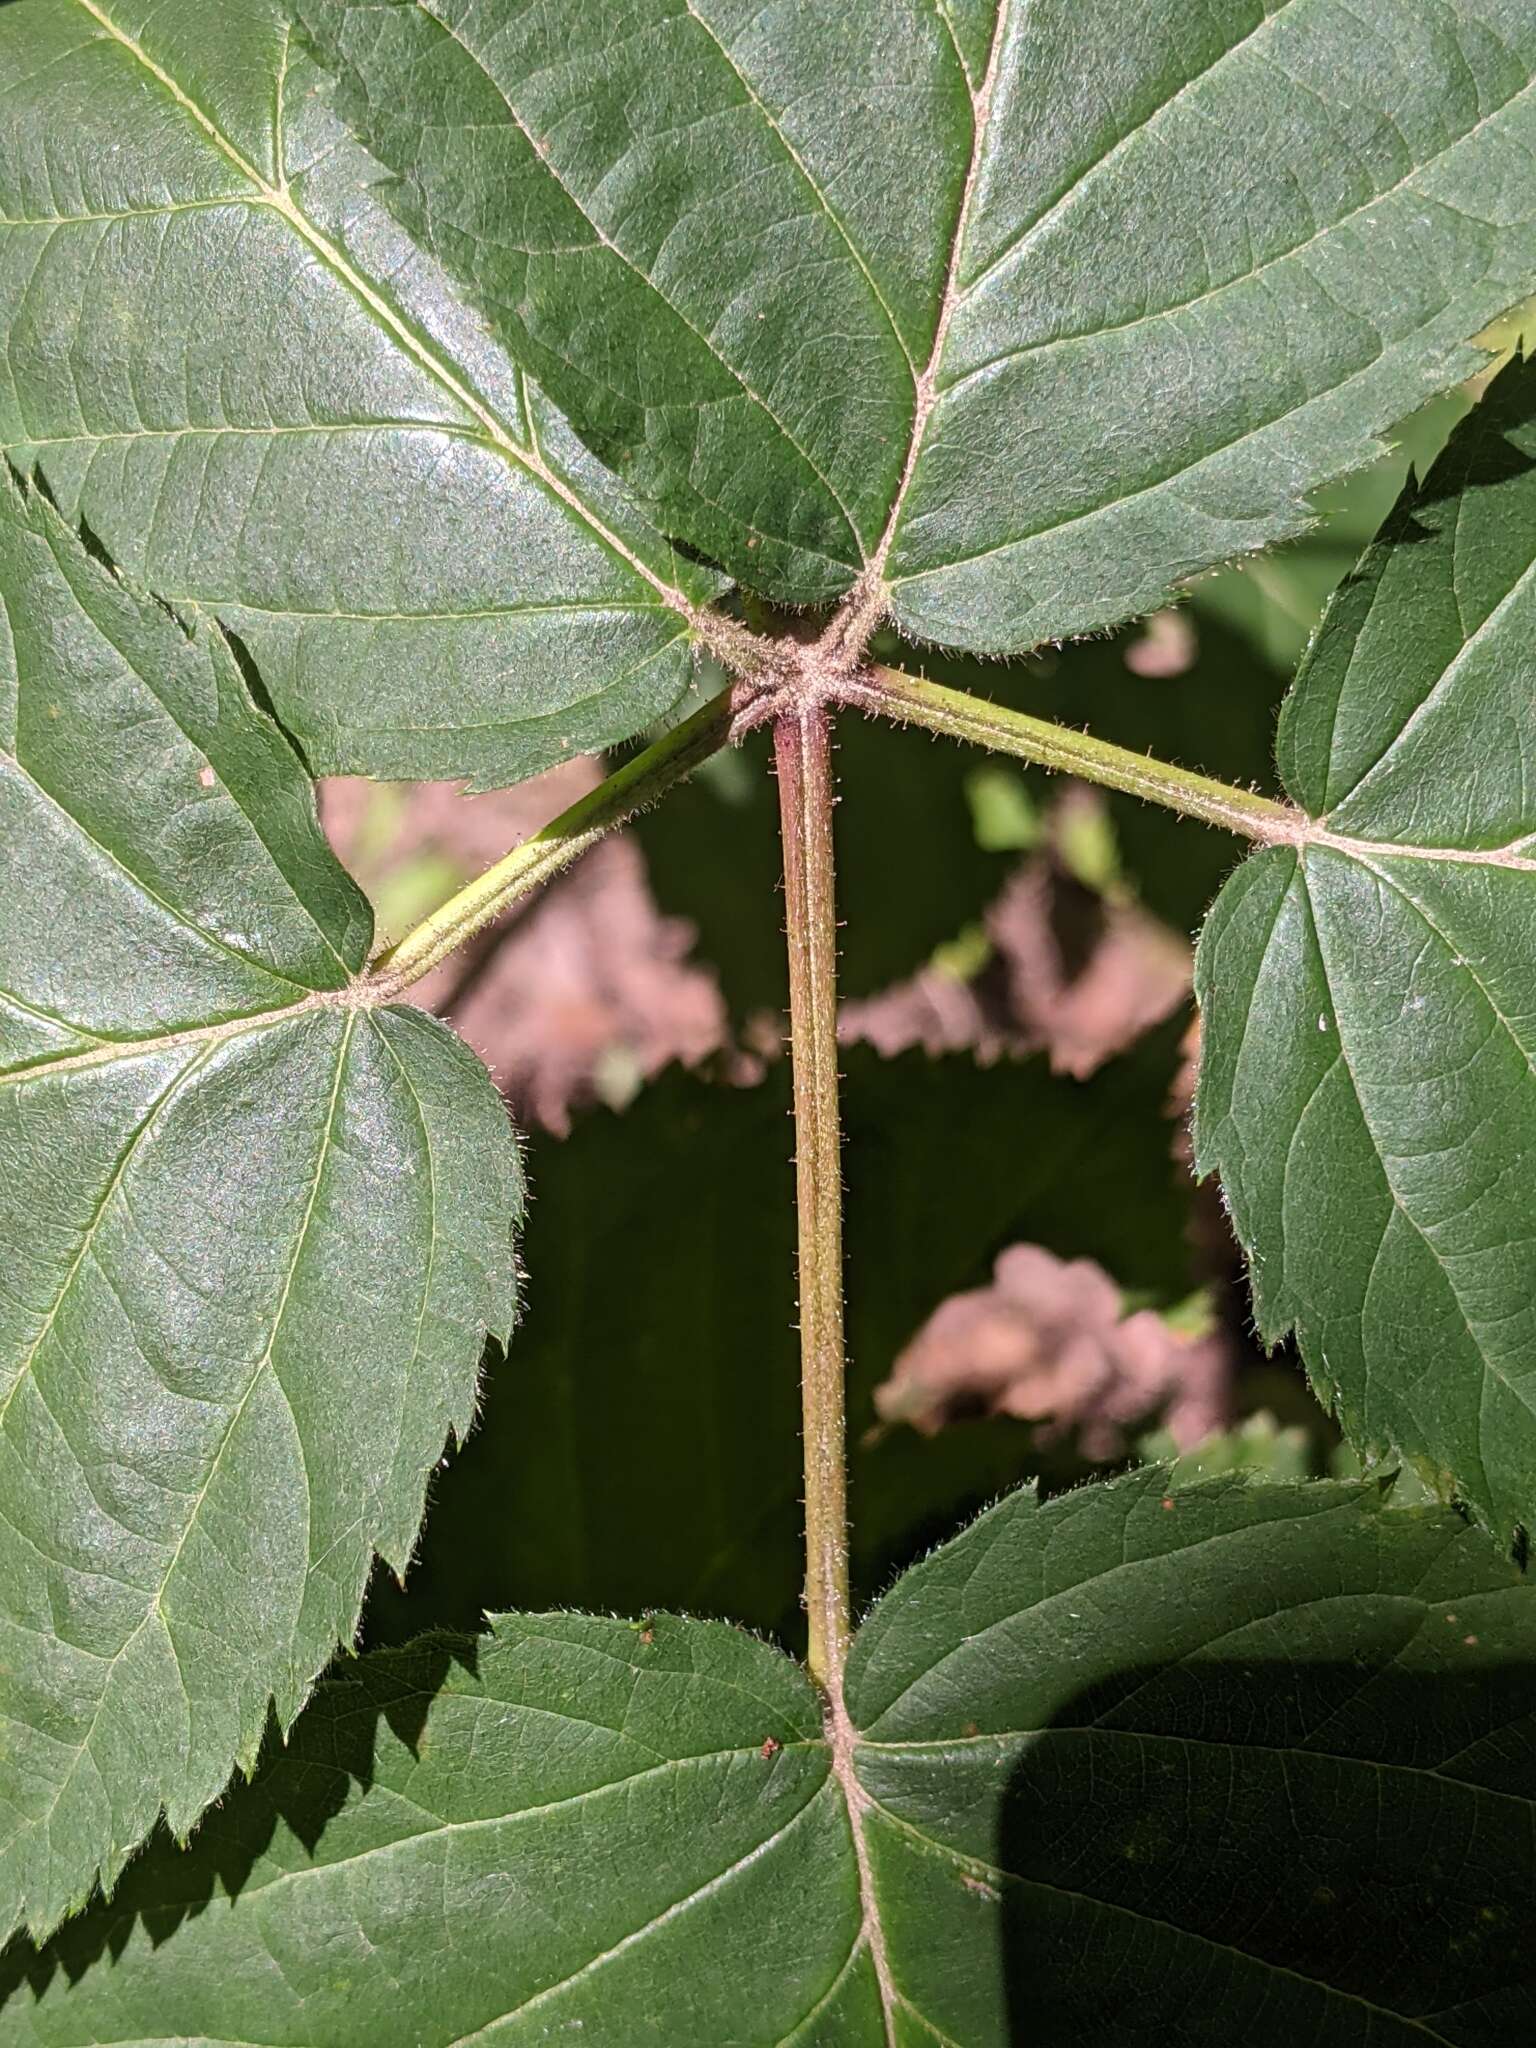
x=228 y=359
x=1094 y=310
x=1099 y=1741
x=1037 y=309
x=254 y=1232
x=1368 y=1092
x=1025 y=312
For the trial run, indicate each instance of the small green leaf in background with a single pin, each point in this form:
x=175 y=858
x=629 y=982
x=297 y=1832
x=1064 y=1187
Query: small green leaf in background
x=1259 y=1445
x=1367 y=1088
x=254 y=1232
x=1095 y=1746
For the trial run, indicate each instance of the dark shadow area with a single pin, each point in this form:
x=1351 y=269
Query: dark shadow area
x=260 y=695
x=1484 y=453
x=1205 y=1853
x=299 y=1787
x=639 y=1448
x=1272 y=1853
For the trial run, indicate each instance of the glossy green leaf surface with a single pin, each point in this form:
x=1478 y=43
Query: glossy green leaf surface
x=1367 y=1092
x=1032 y=310
x=1101 y=1747
x=254 y=1231
x=229 y=359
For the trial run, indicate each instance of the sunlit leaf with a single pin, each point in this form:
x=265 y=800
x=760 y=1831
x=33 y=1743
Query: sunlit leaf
x=227 y=356
x=1368 y=1092
x=254 y=1230
x=1095 y=1746
x=1032 y=310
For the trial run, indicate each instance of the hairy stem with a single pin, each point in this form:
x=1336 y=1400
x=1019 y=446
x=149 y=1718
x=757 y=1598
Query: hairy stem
x=963 y=717
x=802 y=745
x=631 y=788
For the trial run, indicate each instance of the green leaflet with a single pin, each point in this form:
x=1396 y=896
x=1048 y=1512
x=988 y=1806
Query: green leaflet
x=730 y=250
x=254 y=1232
x=1097 y=1744
x=1030 y=309
x=1367 y=1091
x=227 y=357
x=1105 y=1738
x=568 y=1825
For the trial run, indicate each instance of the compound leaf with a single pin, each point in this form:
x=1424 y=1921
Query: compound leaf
x=1367 y=1090
x=230 y=360
x=254 y=1231
x=1028 y=310
x=1097 y=1745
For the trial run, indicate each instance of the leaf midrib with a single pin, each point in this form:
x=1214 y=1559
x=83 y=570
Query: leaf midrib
x=792 y=153
x=1127 y=137
x=108 y=219
x=1523 y=1398
x=1365 y=851
x=927 y=392
x=514 y=1816
x=358 y=995
x=842 y=1745
x=1248 y=432
x=125 y=1158
x=943 y=1745
x=443 y=1827
x=1360 y=790
x=1260 y=270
